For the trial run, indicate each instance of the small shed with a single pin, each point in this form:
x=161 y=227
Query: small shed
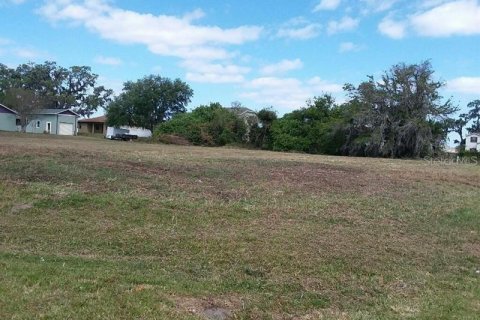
x=8 y=119
x=53 y=121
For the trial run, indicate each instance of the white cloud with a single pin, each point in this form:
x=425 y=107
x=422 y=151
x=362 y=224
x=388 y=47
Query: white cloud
x=466 y=85
x=321 y=86
x=299 y=30
x=428 y=4
x=378 y=5
x=28 y=53
x=436 y=18
x=206 y=72
x=282 y=67
x=393 y=29
x=342 y=25
x=286 y=94
x=115 y=84
x=349 y=47
x=452 y=18
x=110 y=61
x=163 y=34
x=4 y=41
x=327 y=5
x=14 y=50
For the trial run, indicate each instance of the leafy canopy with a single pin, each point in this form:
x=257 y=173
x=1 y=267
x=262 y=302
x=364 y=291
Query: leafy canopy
x=309 y=129
x=402 y=115
x=58 y=87
x=474 y=115
x=149 y=101
x=210 y=125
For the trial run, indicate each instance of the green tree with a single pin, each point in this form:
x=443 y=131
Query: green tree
x=73 y=88
x=25 y=102
x=210 y=125
x=399 y=116
x=149 y=101
x=474 y=115
x=261 y=132
x=6 y=80
x=458 y=126
x=310 y=129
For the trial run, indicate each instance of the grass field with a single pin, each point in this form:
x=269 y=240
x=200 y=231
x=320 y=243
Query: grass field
x=97 y=229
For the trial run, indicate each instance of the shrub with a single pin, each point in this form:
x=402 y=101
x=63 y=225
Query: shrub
x=210 y=125
x=173 y=139
x=313 y=129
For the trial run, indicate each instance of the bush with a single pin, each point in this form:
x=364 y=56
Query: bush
x=210 y=125
x=261 y=133
x=173 y=139
x=313 y=129
x=469 y=154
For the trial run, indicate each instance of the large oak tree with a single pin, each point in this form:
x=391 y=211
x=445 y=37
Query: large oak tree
x=401 y=115
x=57 y=87
x=149 y=101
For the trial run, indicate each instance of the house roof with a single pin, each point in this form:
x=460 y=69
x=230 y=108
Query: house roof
x=242 y=111
x=8 y=109
x=473 y=134
x=55 y=111
x=101 y=119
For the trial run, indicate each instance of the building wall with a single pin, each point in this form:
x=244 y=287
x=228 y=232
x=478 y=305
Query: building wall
x=55 y=121
x=472 y=145
x=84 y=128
x=8 y=122
x=89 y=128
x=42 y=120
x=67 y=119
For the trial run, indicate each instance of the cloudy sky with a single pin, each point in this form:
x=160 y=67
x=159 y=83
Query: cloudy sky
x=262 y=53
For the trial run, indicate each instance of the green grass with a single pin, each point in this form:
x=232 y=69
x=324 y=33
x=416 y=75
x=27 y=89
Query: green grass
x=91 y=228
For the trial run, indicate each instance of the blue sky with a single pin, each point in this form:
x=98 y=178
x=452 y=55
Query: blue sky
x=262 y=53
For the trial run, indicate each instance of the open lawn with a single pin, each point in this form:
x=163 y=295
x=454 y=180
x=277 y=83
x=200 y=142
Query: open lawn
x=97 y=229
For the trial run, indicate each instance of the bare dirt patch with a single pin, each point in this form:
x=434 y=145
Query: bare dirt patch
x=209 y=308
x=473 y=249
x=173 y=139
x=17 y=208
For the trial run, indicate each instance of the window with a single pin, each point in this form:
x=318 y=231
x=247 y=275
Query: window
x=474 y=139
x=18 y=122
x=38 y=124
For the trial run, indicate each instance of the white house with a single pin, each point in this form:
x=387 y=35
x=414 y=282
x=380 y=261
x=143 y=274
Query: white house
x=472 y=142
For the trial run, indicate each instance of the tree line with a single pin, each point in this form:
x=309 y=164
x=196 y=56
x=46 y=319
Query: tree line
x=401 y=114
